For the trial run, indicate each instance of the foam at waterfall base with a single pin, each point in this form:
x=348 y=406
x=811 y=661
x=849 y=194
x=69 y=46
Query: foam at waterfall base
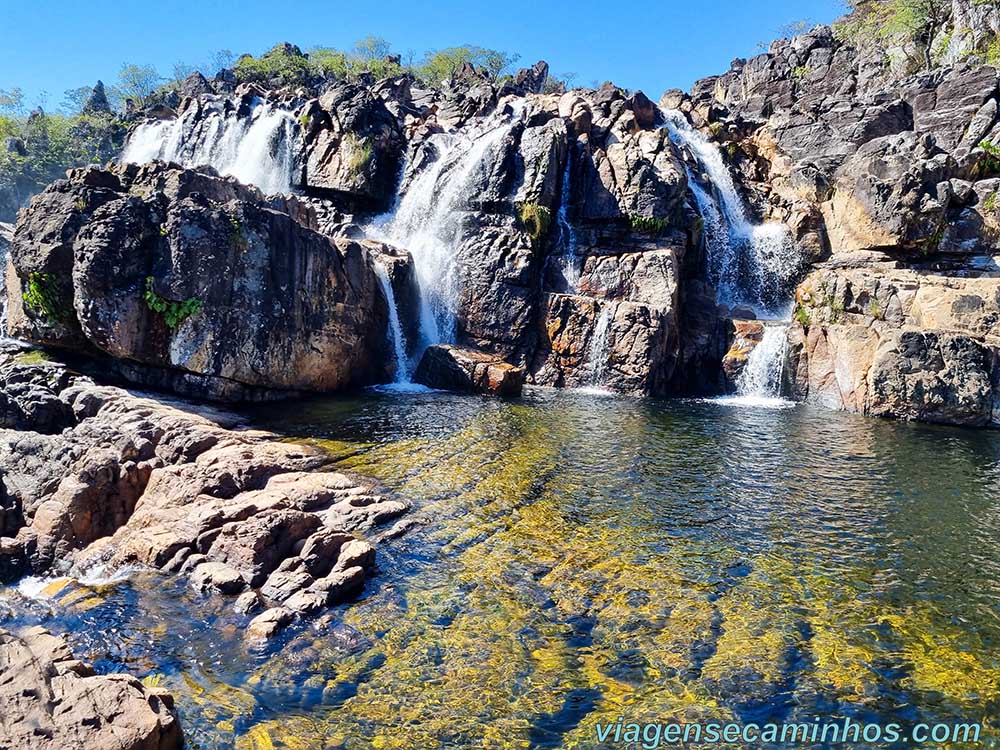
x=756 y=402
x=403 y=388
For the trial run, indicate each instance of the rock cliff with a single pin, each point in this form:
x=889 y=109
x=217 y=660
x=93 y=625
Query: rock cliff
x=568 y=233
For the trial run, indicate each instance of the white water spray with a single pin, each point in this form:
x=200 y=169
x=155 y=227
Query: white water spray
x=762 y=374
x=597 y=360
x=258 y=149
x=750 y=264
x=567 y=233
x=428 y=220
x=395 y=332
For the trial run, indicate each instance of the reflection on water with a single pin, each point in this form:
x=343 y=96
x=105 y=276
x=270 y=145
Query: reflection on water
x=587 y=558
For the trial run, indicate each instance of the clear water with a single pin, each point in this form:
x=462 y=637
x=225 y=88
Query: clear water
x=582 y=559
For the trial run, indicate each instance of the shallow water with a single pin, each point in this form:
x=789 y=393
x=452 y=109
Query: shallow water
x=584 y=558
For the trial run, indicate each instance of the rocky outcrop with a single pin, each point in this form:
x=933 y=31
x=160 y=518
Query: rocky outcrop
x=453 y=369
x=889 y=341
x=184 y=271
x=354 y=145
x=130 y=479
x=52 y=701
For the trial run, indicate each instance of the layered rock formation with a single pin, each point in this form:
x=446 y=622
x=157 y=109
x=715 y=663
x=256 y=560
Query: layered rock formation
x=892 y=176
x=52 y=701
x=96 y=477
x=558 y=232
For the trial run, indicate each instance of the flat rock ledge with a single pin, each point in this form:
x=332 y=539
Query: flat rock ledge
x=451 y=368
x=51 y=701
x=96 y=477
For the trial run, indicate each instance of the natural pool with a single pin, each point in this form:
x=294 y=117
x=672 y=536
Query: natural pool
x=585 y=557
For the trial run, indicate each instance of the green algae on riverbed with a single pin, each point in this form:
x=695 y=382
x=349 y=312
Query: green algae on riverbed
x=584 y=560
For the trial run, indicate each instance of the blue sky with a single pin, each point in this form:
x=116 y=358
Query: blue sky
x=54 y=45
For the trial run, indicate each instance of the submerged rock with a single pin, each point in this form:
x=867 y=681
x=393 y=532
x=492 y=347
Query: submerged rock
x=453 y=369
x=52 y=701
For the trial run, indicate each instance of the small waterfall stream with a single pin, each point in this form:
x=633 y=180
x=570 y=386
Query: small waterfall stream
x=396 y=336
x=567 y=233
x=751 y=264
x=759 y=383
x=258 y=150
x=597 y=356
x=428 y=220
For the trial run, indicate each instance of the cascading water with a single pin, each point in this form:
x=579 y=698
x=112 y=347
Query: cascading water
x=258 y=149
x=760 y=381
x=567 y=233
x=597 y=359
x=428 y=220
x=396 y=336
x=750 y=264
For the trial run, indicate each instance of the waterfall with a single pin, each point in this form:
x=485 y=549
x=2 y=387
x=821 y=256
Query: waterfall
x=395 y=331
x=759 y=384
x=750 y=264
x=428 y=219
x=765 y=364
x=258 y=149
x=597 y=359
x=567 y=233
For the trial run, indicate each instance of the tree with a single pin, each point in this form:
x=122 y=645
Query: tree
x=221 y=60
x=920 y=21
x=182 y=70
x=138 y=82
x=12 y=102
x=916 y=21
x=795 y=28
x=440 y=65
x=74 y=99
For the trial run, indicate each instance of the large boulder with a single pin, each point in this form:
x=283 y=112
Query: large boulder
x=52 y=701
x=355 y=146
x=182 y=270
x=454 y=369
x=893 y=342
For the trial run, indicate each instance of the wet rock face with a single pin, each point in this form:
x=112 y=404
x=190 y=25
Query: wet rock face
x=453 y=369
x=182 y=270
x=52 y=701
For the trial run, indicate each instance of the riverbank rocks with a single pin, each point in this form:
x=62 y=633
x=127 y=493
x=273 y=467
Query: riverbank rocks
x=899 y=343
x=184 y=271
x=52 y=701
x=135 y=479
x=453 y=369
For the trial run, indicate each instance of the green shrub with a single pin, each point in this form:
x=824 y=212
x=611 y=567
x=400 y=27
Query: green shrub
x=360 y=154
x=46 y=295
x=174 y=313
x=989 y=163
x=647 y=224
x=534 y=219
x=283 y=63
x=800 y=72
